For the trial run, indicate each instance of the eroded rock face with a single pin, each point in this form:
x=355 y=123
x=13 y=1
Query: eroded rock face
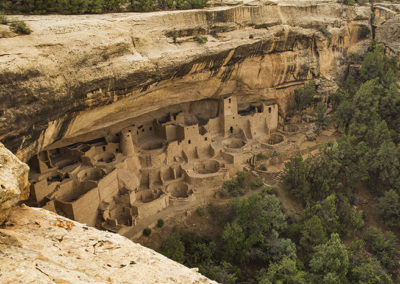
x=39 y=246
x=76 y=77
x=387 y=22
x=14 y=184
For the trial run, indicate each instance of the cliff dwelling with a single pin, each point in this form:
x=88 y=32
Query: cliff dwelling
x=169 y=157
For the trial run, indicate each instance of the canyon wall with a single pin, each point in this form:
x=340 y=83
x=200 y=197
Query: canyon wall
x=387 y=26
x=77 y=78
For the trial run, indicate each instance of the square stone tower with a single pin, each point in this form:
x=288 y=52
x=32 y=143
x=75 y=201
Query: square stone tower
x=230 y=115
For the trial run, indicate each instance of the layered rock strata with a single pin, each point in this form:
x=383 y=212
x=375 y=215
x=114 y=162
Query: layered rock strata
x=77 y=77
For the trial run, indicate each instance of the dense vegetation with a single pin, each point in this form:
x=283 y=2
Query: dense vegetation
x=95 y=6
x=257 y=243
x=251 y=237
x=106 y=6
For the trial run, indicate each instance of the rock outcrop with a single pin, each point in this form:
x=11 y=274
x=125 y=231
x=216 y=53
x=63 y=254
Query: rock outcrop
x=387 y=26
x=14 y=184
x=76 y=78
x=38 y=246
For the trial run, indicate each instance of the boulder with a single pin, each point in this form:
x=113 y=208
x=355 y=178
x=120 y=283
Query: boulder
x=14 y=184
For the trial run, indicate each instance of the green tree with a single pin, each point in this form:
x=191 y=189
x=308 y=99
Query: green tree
x=330 y=261
x=389 y=109
x=349 y=85
x=323 y=121
x=234 y=242
x=370 y=272
x=285 y=271
x=312 y=234
x=304 y=96
x=389 y=208
x=343 y=115
x=373 y=65
x=224 y=273
x=327 y=212
x=294 y=177
x=174 y=248
x=383 y=246
x=363 y=268
x=385 y=164
x=366 y=102
x=350 y=219
x=253 y=233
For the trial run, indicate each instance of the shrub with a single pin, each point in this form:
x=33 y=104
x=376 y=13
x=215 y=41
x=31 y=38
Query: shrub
x=325 y=32
x=261 y=156
x=174 y=35
x=201 y=39
x=262 y=167
x=218 y=213
x=3 y=19
x=267 y=190
x=197 y=4
x=275 y=154
x=20 y=27
x=257 y=183
x=347 y=2
x=147 y=232
x=200 y=211
x=235 y=186
x=143 y=5
x=160 y=223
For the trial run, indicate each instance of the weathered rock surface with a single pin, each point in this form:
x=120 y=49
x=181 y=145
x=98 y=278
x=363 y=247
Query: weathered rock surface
x=387 y=22
x=37 y=246
x=14 y=184
x=76 y=78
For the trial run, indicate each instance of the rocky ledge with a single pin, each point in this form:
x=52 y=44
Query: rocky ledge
x=38 y=246
x=76 y=78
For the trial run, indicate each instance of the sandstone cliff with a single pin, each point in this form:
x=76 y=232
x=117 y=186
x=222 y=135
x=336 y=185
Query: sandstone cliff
x=14 y=185
x=387 y=26
x=38 y=246
x=76 y=77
